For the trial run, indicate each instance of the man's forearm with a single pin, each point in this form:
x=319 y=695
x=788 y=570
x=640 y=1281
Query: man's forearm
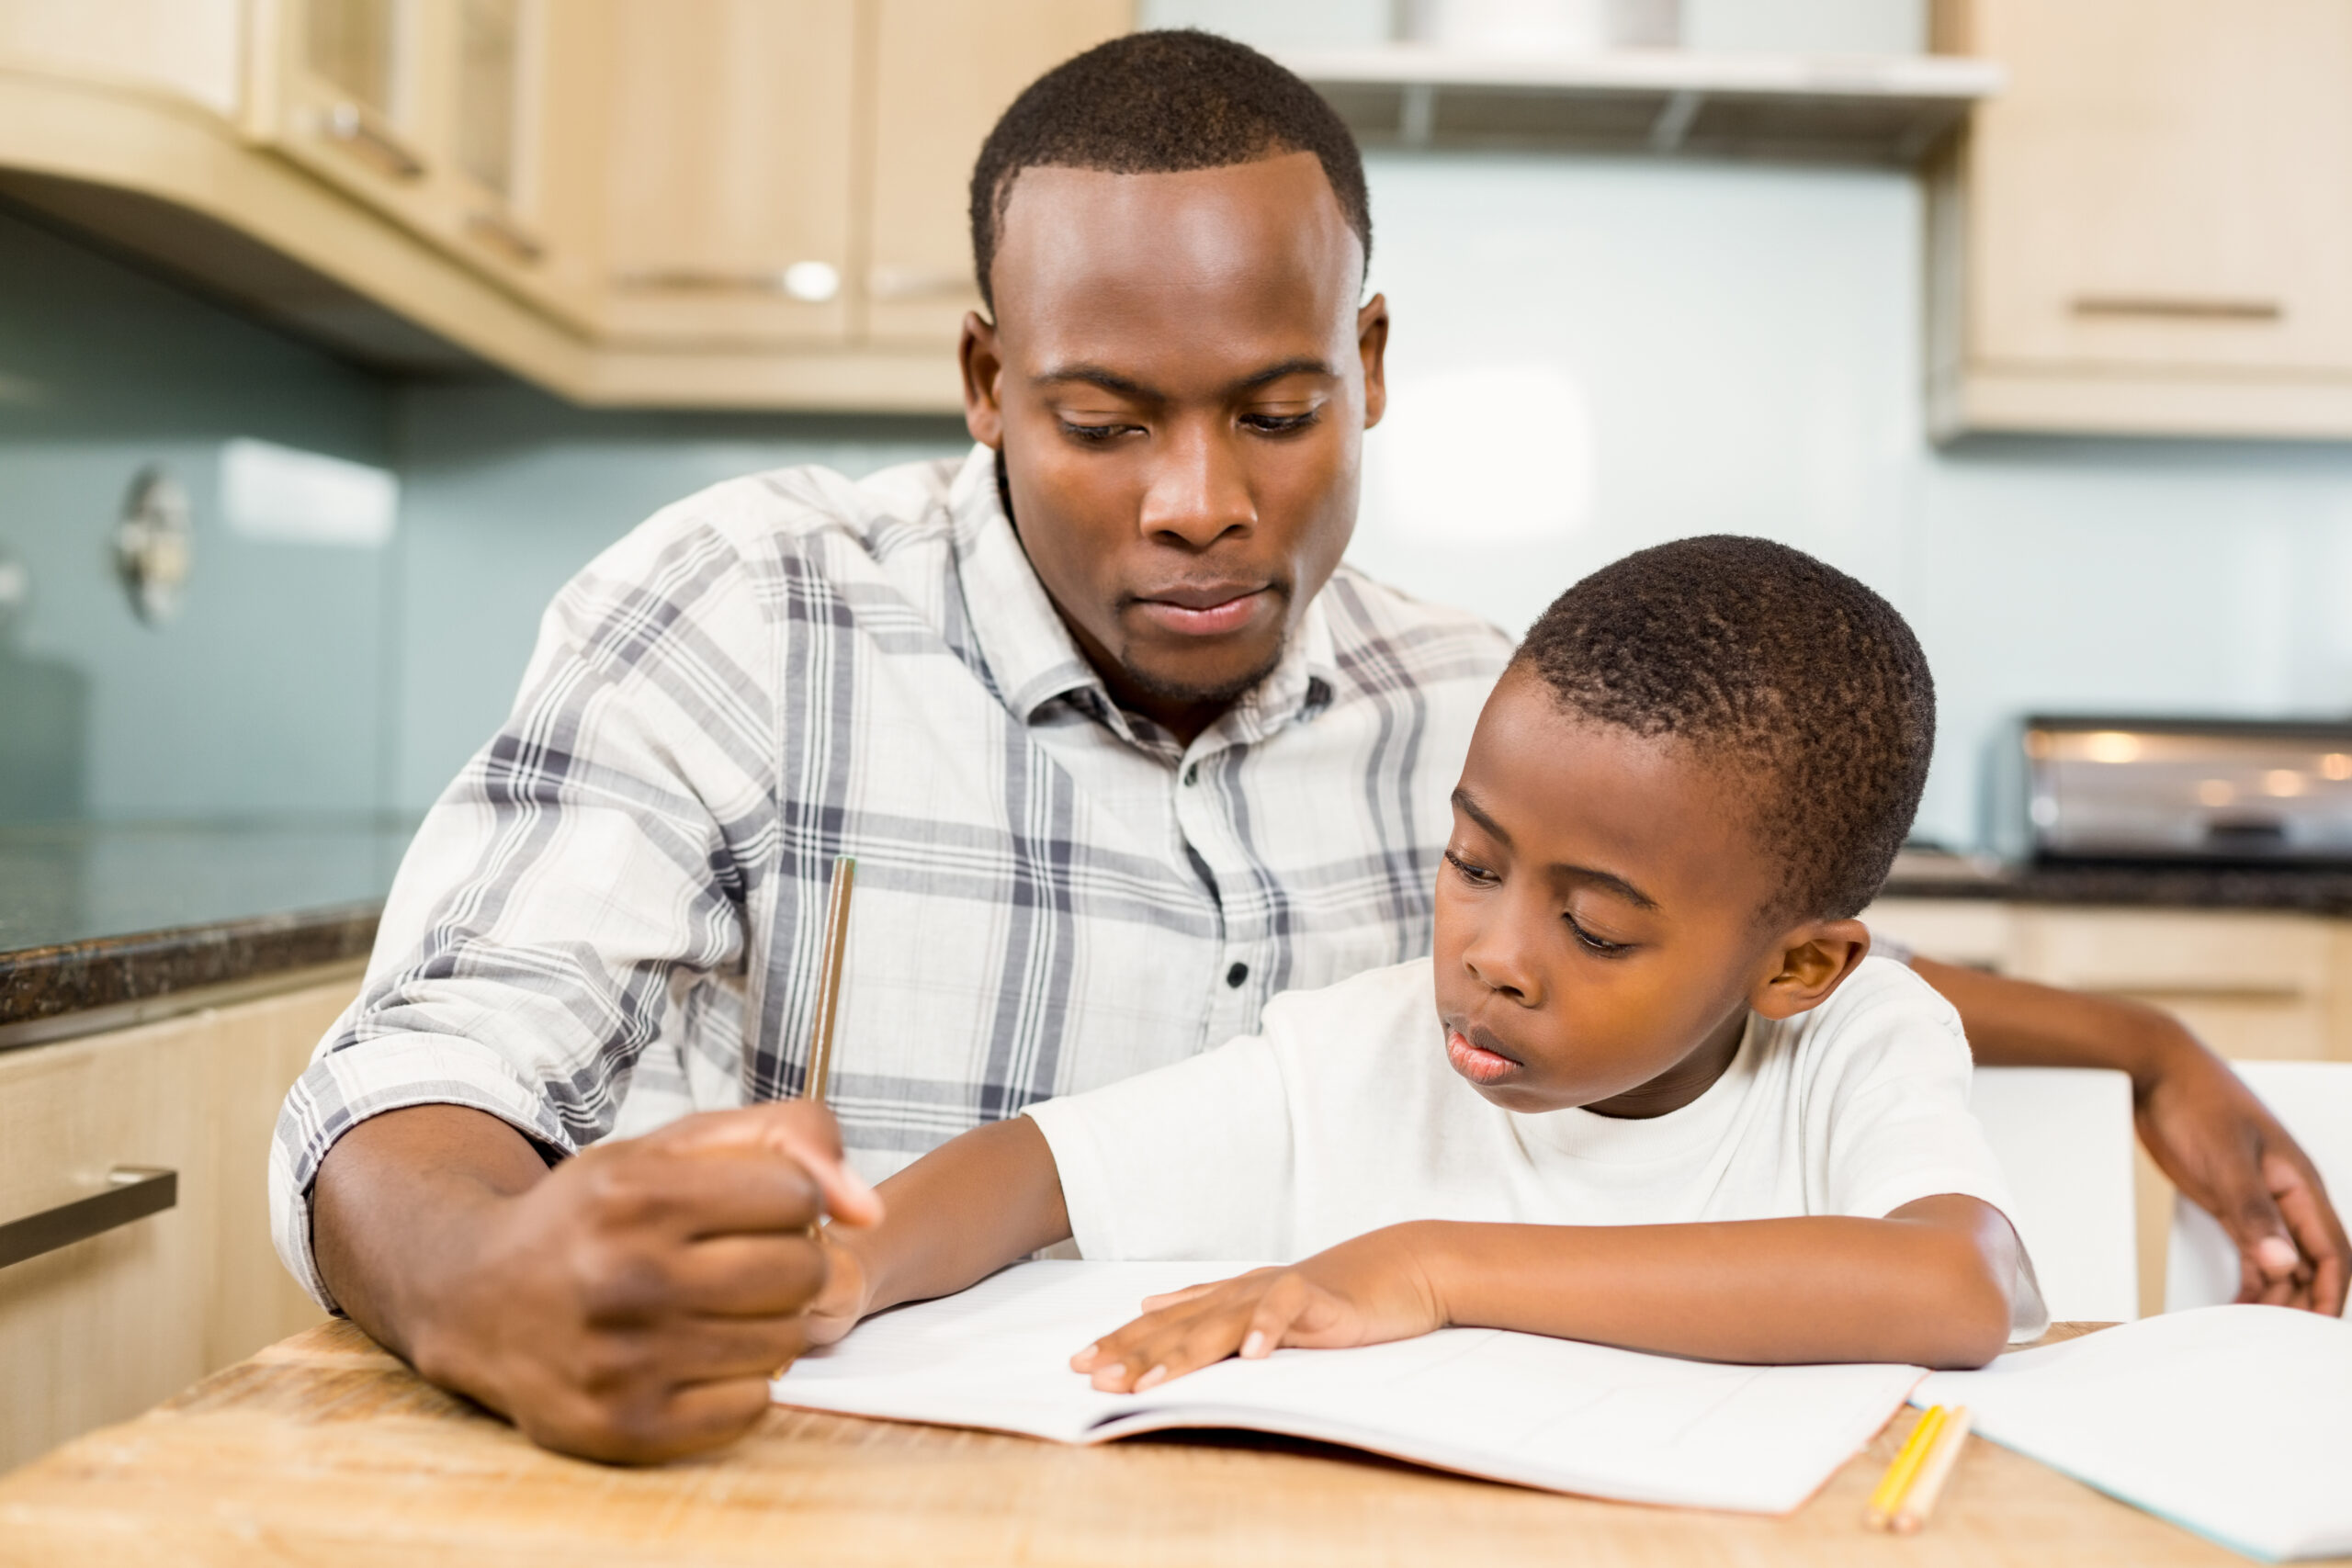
x=2015 y=1024
x=1931 y=1288
x=961 y=1213
x=397 y=1202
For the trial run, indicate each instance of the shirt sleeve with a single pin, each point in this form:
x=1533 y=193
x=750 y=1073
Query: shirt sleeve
x=1189 y=1161
x=1894 y=1082
x=575 y=871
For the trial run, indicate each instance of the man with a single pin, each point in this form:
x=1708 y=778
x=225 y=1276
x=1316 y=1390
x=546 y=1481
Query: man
x=1120 y=748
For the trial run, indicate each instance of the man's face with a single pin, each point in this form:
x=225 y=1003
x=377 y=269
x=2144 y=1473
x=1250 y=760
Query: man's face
x=1179 y=377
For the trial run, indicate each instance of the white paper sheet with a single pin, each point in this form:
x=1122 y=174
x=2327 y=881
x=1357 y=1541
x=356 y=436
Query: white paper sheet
x=1517 y=1407
x=2234 y=1421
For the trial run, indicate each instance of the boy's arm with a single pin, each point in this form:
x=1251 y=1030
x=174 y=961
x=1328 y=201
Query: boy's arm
x=963 y=1211
x=1930 y=1284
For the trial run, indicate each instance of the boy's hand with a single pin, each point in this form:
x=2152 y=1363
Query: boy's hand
x=846 y=1294
x=1361 y=1292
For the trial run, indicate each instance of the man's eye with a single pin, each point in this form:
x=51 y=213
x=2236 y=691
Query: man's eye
x=1600 y=945
x=1476 y=875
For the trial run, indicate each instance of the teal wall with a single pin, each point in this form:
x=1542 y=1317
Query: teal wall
x=265 y=693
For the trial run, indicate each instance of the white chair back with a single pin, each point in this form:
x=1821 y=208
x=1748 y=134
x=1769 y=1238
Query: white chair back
x=2314 y=1101
x=2063 y=1137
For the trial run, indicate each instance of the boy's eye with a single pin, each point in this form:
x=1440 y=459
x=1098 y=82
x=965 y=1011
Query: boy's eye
x=1278 y=423
x=1476 y=875
x=1600 y=945
x=1095 y=434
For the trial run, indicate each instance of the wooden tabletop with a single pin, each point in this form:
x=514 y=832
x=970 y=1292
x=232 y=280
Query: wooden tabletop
x=324 y=1450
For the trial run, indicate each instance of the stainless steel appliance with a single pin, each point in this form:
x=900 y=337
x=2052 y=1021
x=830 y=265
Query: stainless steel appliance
x=2242 y=791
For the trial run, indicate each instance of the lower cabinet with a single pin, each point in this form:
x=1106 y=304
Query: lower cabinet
x=102 y=1328
x=2250 y=983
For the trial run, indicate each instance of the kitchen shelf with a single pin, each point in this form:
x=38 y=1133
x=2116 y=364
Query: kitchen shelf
x=1884 y=110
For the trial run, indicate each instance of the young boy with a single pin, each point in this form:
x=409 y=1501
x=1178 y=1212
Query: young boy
x=1648 y=1092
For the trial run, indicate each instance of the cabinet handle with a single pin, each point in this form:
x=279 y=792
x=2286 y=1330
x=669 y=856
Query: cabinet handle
x=2169 y=308
x=133 y=1192
x=502 y=233
x=810 y=282
x=352 y=127
x=896 y=283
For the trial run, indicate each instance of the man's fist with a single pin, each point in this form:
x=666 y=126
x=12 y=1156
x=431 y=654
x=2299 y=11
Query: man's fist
x=628 y=1304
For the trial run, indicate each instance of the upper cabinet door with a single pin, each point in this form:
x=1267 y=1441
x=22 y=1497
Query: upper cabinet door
x=2166 y=185
x=192 y=48
x=731 y=172
x=944 y=70
x=356 y=101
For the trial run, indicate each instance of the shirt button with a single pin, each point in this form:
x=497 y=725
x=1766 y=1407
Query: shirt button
x=1193 y=774
x=1235 y=976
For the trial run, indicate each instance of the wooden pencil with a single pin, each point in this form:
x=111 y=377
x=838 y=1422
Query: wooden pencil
x=1898 y=1479
x=829 y=981
x=1935 y=1470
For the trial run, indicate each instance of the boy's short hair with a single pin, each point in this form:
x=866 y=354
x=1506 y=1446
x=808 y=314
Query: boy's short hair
x=1771 y=660
x=1158 y=103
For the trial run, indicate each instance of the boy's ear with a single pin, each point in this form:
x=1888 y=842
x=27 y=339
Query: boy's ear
x=1815 y=960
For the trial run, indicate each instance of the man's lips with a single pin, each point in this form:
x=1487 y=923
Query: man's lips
x=1477 y=1060
x=1207 y=610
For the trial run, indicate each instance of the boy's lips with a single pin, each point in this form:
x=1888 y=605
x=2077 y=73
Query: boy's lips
x=1477 y=1061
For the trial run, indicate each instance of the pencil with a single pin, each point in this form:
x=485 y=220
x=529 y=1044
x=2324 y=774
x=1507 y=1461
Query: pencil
x=1933 y=1470
x=829 y=981
x=1898 y=1479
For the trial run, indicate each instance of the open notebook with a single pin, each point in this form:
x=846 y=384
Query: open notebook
x=1515 y=1407
x=2234 y=1421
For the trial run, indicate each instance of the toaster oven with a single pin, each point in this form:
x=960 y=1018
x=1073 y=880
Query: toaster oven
x=2237 y=791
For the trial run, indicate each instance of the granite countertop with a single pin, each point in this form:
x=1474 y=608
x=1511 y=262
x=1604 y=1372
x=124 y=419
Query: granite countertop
x=99 y=915
x=2317 y=890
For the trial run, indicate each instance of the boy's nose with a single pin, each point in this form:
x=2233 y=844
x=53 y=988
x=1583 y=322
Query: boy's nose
x=1501 y=966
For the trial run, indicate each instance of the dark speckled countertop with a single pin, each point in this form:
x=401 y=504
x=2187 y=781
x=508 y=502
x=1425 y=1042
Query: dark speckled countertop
x=2317 y=890
x=101 y=915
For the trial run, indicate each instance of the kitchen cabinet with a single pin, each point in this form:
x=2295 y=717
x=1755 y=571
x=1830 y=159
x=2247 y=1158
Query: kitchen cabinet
x=943 y=72
x=467 y=121
x=194 y=50
x=99 y=1330
x=2150 y=230
x=730 y=180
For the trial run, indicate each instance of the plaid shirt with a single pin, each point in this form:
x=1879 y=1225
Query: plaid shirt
x=613 y=916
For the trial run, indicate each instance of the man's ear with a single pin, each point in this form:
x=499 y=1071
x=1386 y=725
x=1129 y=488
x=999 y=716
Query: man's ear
x=1371 y=343
x=983 y=366
x=1815 y=960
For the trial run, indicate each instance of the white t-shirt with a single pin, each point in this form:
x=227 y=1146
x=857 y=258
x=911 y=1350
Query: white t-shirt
x=1343 y=1115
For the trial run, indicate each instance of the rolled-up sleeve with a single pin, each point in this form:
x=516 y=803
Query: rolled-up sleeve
x=598 y=855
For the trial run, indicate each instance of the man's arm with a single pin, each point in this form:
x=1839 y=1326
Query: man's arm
x=628 y=1304
x=1929 y=1285
x=978 y=1202
x=2201 y=1124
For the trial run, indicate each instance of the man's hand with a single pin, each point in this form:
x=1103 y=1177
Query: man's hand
x=2202 y=1124
x=628 y=1304
x=1364 y=1291
x=2225 y=1151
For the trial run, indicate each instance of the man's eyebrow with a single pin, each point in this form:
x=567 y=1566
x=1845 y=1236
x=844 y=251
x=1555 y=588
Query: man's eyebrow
x=1097 y=376
x=1607 y=879
x=1302 y=365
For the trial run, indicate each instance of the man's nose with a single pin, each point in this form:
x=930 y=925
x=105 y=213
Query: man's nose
x=1199 y=491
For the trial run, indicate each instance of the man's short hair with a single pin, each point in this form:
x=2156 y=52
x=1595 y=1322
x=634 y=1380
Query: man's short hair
x=1156 y=103
x=1772 y=661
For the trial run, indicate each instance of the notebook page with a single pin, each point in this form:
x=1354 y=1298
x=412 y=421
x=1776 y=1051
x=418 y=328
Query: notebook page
x=1508 y=1407
x=2234 y=1421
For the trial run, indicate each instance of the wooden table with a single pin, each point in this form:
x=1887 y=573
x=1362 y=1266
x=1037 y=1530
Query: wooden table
x=324 y=1450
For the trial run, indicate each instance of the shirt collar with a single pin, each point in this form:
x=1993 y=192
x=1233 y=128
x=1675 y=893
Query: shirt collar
x=1032 y=659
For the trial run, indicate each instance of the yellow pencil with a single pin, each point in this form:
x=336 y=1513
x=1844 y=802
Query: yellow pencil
x=1911 y=1515
x=1898 y=1479
x=829 y=982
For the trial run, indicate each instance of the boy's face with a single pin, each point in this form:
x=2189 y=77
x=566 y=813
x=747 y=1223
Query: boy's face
x=1598 y=941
